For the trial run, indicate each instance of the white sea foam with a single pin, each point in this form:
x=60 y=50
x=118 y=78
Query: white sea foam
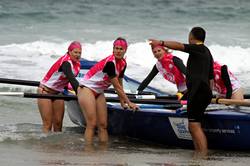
x=32 y=60
x=8 y=132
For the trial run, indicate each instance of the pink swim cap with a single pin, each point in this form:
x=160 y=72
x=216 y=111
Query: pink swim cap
x=157 y=46
x=121 y=42
x=73 y=45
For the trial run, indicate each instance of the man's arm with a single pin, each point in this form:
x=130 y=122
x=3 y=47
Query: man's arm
x=211 y=83
x=211 y=73
x=170 y=44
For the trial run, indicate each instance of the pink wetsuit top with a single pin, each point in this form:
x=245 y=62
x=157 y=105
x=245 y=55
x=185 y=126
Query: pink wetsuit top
x=56 y=79
x=170 y=72
x=218 y=82
x=99 y=81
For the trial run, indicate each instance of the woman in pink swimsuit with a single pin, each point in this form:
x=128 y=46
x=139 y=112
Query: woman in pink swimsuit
x=225 y=83
x=60 y=74
x=108 y=71
x=170 y=67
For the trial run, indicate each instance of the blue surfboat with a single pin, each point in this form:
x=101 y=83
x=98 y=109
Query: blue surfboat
x=226 y=127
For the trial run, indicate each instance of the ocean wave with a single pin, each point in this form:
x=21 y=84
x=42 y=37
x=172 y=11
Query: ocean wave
x=32 y=60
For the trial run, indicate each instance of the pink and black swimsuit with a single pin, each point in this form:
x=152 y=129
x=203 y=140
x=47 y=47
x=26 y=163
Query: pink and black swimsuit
x=98 y=77
x=171 y=68
x=61 y=73
x=225 y=83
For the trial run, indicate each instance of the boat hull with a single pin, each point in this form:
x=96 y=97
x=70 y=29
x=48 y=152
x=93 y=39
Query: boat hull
x=225 y=127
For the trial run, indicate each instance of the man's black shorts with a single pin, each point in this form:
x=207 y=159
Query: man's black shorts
x=198 y=103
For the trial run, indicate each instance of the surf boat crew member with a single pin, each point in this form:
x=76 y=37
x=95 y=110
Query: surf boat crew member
x=63 y=71
x=170 y=67
x=225 y=83
x=109 y=71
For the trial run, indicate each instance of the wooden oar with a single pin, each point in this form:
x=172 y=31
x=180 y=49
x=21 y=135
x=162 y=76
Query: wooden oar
x=230 y=102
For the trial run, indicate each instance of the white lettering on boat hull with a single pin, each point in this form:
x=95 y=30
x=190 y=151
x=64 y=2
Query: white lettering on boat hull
x=180 y=127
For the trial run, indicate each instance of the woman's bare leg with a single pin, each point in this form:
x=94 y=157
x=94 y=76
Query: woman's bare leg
x=45 y=109
x=87 y=103
x=102 y=118
x=58 y=113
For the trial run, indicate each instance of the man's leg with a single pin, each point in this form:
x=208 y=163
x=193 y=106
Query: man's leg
x=199 y=138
